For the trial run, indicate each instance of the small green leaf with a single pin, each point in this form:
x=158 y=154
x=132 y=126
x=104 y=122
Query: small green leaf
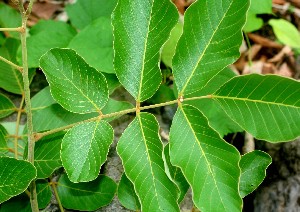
x=42 y=99
x=210 y=41
x=7 y=107
x=286 y=32
x=83 y=12
x=44 y=193
x=253 y=23
x=253 y=166
x=127 y=195
x=141 y=151
x=169 y=48
x=13 y=181
x=84 y=149
x=75 y=85
x=47 y=155
x=86 y=196
x=176 y=174
x=261 y=7
x=137 y=51
x=10 y=18
x=95 y=44
x=209 y=164
x=47 y=36
x=268 y=107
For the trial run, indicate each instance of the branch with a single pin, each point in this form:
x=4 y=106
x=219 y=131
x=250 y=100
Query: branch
x=38 y=136
x=17 y=29
x=11 y=64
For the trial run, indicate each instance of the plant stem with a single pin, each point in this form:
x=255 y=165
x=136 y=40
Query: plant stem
x=38 y=136
x=53 y=185
x=11 y=64
x=31 y=141
x=18 y=29
x=16 y=139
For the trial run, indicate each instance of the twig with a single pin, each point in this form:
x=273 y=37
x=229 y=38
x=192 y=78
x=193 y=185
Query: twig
x=11 y=64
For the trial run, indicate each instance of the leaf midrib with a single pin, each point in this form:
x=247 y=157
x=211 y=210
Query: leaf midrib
x=144 y=53
x=216 y=97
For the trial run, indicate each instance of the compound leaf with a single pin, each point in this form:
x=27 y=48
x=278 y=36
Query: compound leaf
x=75 y=85
x=95 y=44
x=268 y=107
x=209 y=164
x=210 y=41
x=86 y=196
x=7 y=107
x=140 y=29
x=127 y=195
x=253 y=166
x=84 y=149
x=141 y=149
x=13 y=181
x=83 y=12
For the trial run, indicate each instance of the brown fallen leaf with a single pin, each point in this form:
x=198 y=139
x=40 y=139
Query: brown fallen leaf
x=280 y=55
x=264 y=41
x=284 y=70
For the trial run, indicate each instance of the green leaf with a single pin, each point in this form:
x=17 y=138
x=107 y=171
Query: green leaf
x=141 y=149
x=216 y=116
x=7 y=145
x=209 y=164
x=10 y=18
x=84 y=149
x=127 y=195
x=42 y=99
x=47 y=36
x=95 y=44
x=286 y=32
x=3 y=141
x=176 y=174
x=261 y=7
x=13 y=181
x=253 y=23
x=137 y=51
x=83 y=12
x=163 y=94
x=55 y=116
x=10 y=78
x=169 y=48
x=86 y=196
x=7 y=107
x=115 y=106
x=253 y=166
x=265 y=106
x=21 y=203
x=75 y=85
x=47 y=155
x=210 y=41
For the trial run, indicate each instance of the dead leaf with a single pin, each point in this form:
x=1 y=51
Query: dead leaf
x=264 y=41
